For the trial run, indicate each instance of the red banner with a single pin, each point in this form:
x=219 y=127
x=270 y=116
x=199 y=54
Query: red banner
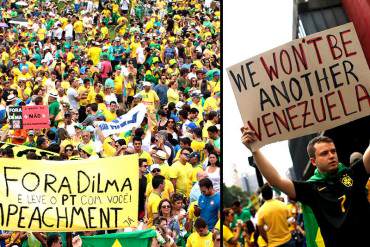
x=35 y=117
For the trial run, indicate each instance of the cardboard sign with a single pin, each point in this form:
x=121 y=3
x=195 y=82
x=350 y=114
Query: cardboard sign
x=15 y=117
x=35 y=117
x=305 y=86
x=70 y=195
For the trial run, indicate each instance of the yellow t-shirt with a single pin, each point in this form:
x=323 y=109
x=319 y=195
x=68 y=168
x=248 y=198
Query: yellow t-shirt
x=91 y=96
x=211 y=104
x=94 y=54
x=195 y=240
x=152 y=207
x=41 y=33
x=198 y=146
x=5 y=57
x=78 y=26
x=83 y=91
x=104 y=32
x=165 y=172
x=227 y=235
x=118 y=81
x=146 y=155
x=167 y=191
x=173 y=96
x=149 y=99
x=183 y=175
x=275 y=214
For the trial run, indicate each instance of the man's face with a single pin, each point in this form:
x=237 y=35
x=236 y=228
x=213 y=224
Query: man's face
x=205 y=191
x=85 y=137
x=184 y=155
x=326 y=158
x=143 y=167
x=193 y=160
x=237 y=209
x=137 y=146
x=202 y=231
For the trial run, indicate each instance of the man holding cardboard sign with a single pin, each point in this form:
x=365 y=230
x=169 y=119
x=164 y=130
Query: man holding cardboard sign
x=336 y=193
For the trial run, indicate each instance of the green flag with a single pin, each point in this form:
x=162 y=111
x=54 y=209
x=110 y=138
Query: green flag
x=313 y=234
x=123 y=239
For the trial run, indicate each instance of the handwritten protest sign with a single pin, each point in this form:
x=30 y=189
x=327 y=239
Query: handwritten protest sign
x=35 y=117
x=305 y=86
x=131 y=119
x=70 y=196
x=15 y=117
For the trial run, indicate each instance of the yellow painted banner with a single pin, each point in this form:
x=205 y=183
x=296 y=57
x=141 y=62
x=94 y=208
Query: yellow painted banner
x=43 y=195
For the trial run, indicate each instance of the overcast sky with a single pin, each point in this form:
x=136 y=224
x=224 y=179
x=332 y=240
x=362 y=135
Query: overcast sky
x=250 y=28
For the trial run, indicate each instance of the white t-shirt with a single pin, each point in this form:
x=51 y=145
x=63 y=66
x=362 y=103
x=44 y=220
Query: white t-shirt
x=72 y=95
x=215 y=178
x=140 y=55
x=69 y=30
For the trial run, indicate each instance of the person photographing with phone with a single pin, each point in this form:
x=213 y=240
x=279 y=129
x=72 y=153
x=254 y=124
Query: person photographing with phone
x=336 y=193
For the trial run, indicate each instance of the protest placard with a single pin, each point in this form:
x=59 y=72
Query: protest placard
x=70 y=195
x=35 y=117
x=131 y=119
x=15 y=117
x=305 y=86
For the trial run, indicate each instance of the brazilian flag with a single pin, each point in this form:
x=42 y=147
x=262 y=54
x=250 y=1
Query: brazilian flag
x=123 y=239
x=312 y=229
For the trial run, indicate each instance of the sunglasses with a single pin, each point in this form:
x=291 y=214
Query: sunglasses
x=186 y=154
x=69 y=149
x=156 y=170
x=166 y=206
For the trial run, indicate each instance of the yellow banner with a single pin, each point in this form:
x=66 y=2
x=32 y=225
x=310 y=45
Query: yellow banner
x=42 y=195
x=20 y=151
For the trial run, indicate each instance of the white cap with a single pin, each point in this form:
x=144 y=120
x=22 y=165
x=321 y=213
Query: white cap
x=161 y=154
x=154 y=166
x=147 y=83
x=179 y=105
x=54 y=95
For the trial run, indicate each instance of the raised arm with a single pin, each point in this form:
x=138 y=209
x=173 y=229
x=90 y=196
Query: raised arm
x=366 y=159
x=265 y=167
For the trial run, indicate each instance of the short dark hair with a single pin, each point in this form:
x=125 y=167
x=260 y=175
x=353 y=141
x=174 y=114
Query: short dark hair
x=200 y=223
x=236 y=204
x=190 y=150
x=310 y=147
x=137 y=138
x=185 y=140
x=266 y=191
x=52 y=238
x=212 y=129
x=206 y=182
x=141 y=161
x=157 y=180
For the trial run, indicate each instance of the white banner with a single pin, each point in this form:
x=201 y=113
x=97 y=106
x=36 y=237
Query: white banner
x=131 y=119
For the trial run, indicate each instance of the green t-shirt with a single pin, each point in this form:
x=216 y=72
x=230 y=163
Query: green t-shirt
x=245 y=215
x=54 y=109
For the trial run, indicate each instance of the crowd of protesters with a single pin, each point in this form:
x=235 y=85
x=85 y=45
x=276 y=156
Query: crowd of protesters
x=92 y=61
x=270 y=220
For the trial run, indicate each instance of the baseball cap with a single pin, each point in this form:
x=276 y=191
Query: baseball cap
x=191 y=126
x=147 y=83
x=194 y=154
x=154 y=166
